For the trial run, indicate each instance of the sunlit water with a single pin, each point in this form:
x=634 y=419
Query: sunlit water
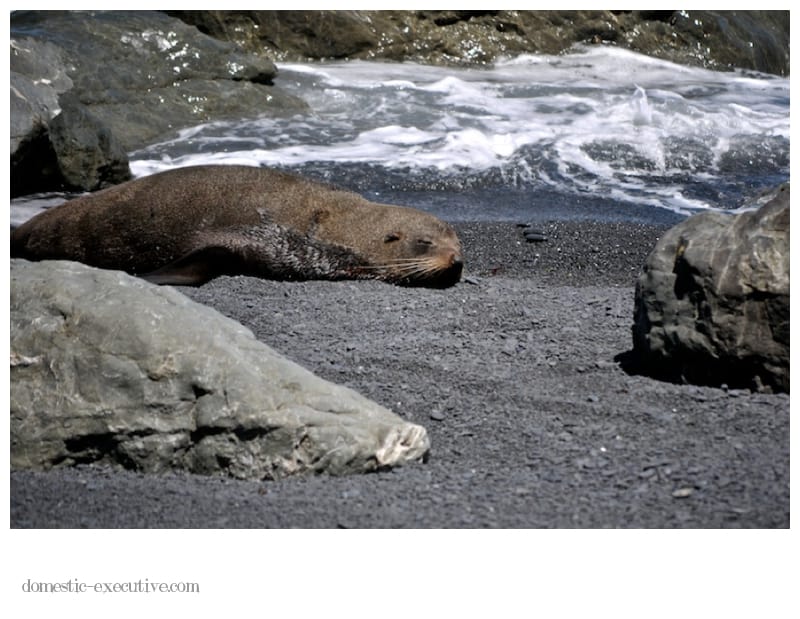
x=597 y=133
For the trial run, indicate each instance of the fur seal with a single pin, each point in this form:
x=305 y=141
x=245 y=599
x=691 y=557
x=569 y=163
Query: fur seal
x=188 y=225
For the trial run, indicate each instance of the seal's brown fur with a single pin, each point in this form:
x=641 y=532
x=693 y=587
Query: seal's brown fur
x=188 y=225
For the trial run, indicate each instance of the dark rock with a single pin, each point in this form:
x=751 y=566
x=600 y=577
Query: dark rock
x=166 y=75
x=108 y=368
x=138 y=75
x=89 y=156
x=715 y=39
x=534 y=236
x=73 y=152
x=38 y=76
x=712 y=303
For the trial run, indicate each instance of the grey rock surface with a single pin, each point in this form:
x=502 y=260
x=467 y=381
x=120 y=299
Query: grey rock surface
x=88 y=154
x=712 y=302
x=141 y=75
x=38 y=76
x=108 y=368
x=715 y=39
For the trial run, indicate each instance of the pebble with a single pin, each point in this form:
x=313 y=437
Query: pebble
x=437 y=416
x=534 y=236
x=682 y=493
x=735 y=393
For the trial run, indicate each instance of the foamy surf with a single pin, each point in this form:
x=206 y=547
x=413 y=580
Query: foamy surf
x=601 y=120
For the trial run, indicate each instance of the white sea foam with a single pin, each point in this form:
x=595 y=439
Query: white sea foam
x=603 y=119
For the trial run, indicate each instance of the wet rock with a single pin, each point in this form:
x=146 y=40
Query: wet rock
x=715 y=39
x=712 y=302
x=310 y=34
x=89 y=155
x=38 y=76
x=73 y=151
x=108 y=368
x=140 y=75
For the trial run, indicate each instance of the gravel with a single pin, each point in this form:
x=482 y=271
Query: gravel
x=514 y=373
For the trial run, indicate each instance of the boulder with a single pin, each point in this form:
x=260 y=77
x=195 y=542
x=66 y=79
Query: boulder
x=74 y=152
x=712 y=302
x=307 y=34
x=38 y=76
x=108 y=368
x=138 y=76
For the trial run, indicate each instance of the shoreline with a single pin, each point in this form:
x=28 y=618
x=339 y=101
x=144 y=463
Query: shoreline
x=533 y=423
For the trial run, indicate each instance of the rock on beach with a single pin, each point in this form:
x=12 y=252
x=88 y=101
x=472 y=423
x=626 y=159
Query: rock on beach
x=712 y=302
x=106 y=368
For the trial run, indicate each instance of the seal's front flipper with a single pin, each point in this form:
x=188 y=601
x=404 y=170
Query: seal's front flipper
x=197 y=267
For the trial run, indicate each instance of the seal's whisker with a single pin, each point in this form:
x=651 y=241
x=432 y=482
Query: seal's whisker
x=397 y=265
x=417 y=270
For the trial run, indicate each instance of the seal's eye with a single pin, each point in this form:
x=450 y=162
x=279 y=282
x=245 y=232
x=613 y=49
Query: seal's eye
x=391 y=237
x=424 y=242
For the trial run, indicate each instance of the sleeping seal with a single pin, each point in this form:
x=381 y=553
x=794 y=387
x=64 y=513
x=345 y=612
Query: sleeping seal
x=188 y=225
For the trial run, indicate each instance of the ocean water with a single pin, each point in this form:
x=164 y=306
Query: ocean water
x=600 y=133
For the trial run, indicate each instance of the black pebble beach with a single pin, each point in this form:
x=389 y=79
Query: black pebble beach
x=533 y=422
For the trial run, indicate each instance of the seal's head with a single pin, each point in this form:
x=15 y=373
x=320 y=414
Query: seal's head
x=406 y=246
x=429 y=256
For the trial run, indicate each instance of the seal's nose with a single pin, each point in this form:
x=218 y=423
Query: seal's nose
x=456 y=267
x=456 y=261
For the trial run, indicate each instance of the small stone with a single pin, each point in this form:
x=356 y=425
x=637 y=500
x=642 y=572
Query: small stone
x=534 y=236
x=472 y=280
x=682 y=493
x=437 y=415
x=593 y=399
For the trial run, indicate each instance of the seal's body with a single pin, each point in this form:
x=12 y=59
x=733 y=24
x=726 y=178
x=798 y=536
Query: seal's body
x=188 y=225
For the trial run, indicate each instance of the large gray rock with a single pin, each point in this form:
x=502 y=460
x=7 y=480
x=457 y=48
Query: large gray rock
x=108 y=368
x=85 y=153
x=712 y=302
x=37 y=78
x=141 y=75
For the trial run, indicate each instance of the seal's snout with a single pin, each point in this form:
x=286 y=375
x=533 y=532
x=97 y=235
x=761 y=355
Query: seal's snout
x=450 y=270
x=456 y=263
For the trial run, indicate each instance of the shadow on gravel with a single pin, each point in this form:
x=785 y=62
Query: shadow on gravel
x=689 y=372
